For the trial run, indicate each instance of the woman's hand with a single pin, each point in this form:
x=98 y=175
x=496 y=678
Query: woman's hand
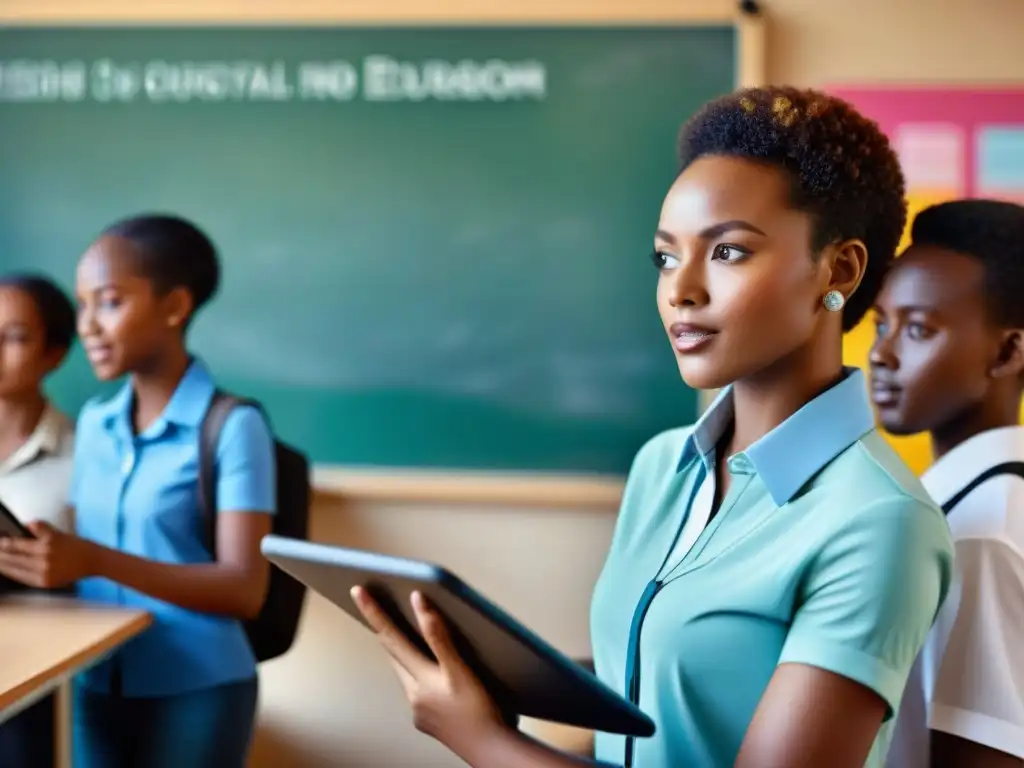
x=52 y=559
x=448 y=701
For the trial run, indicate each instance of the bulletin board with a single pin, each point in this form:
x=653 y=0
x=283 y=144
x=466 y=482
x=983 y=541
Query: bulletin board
x=952 y=143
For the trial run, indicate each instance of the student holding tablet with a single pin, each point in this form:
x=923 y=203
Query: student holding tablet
x=775 y=568
x=184 y=692
x=37 y=328
x=949 y=360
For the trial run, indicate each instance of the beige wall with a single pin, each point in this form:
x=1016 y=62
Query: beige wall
x=332 y=701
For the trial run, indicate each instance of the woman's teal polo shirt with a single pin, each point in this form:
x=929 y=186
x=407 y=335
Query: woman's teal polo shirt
x=826 y=551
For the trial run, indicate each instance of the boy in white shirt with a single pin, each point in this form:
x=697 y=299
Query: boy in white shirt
x=949 y=359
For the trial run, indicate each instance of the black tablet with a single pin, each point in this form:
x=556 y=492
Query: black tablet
x=10 y=525
x=524 y=674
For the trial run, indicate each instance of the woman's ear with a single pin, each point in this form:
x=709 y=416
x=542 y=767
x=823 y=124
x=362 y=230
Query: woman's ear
x=1010 y=361
x=849 y=260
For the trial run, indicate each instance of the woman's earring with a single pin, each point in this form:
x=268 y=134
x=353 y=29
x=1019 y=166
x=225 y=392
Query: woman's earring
x=834 y=301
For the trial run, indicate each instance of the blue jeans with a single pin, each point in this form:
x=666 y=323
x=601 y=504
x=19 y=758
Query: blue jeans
x=211 y=728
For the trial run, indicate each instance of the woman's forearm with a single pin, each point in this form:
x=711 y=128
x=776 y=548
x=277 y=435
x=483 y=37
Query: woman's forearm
x=207 y=588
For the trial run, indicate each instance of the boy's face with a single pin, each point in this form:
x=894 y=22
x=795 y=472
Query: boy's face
x=935 y=345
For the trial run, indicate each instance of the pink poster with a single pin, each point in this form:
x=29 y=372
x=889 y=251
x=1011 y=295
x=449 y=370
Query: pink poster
x=953 y=142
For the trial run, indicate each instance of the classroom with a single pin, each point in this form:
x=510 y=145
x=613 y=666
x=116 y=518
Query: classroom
x=332 y=701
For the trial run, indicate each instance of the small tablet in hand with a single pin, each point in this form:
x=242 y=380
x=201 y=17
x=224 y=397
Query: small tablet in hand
x=10 y=526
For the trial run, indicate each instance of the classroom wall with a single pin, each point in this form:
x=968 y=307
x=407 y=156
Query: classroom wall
x=333 y=702
x=556 y=555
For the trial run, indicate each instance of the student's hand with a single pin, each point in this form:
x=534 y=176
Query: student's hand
x=448 y=701
x=52 y=559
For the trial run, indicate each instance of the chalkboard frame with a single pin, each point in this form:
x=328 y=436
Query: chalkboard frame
x=534 y=489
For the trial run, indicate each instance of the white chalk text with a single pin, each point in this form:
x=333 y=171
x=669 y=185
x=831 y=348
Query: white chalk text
x=376 y=78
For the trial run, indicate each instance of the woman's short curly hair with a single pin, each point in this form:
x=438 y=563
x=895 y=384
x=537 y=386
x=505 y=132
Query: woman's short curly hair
x=843 y=171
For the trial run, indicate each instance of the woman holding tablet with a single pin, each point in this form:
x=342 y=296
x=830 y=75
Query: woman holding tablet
x=37 y=328
x=775 y=567
x=184 y=692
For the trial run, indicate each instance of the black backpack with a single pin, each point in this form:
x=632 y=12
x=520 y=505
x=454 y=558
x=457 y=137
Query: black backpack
x=273 y=631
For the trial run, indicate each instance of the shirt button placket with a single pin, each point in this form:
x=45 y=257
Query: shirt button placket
x=127 y=466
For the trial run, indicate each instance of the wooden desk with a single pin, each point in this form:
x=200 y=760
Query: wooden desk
x=44 y=641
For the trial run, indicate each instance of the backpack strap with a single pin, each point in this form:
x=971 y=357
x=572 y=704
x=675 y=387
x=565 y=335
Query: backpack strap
x=217 y=414
x=1006 y=468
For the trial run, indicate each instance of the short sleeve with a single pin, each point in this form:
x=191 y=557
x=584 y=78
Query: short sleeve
x=246 y=470
x=978 y=693
x=871 y=595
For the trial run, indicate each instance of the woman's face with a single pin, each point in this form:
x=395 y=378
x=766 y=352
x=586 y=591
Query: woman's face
x=738 y=290
x=26 y=357
x=123 y=322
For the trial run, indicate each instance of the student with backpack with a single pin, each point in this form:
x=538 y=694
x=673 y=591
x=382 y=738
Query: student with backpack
x=184 y=693
x=949 y=360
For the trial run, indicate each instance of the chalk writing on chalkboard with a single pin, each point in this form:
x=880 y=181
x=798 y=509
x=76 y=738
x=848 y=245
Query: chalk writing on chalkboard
x=376 y=77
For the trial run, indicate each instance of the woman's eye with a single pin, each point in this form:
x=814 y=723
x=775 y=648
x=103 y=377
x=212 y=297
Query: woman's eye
x=918 y=331
x=664 y=260
x=729 y=253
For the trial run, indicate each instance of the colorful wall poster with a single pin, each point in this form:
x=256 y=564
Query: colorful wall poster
x=952 y=142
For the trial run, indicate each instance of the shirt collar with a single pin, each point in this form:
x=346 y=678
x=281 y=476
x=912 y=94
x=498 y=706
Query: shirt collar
x=796 y=450
x=950 y=474
x=187 y=406
x=45 y=439
x=50 y=431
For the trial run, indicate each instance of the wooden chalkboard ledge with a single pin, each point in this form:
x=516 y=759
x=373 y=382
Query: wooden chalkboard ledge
x=489 y=488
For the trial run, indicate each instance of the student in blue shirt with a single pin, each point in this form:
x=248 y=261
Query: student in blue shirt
x=183 y=693
x=775 y=568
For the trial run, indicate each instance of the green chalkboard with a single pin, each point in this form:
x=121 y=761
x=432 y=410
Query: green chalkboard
x=435 y=241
